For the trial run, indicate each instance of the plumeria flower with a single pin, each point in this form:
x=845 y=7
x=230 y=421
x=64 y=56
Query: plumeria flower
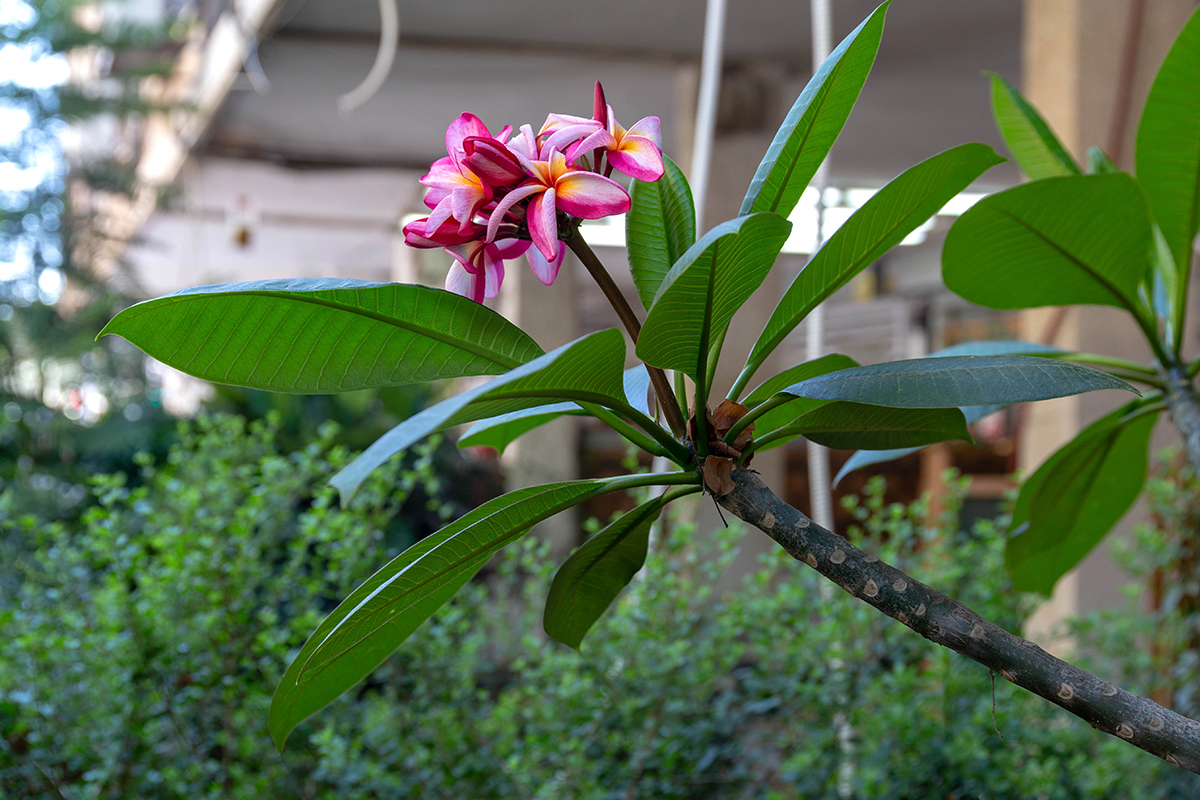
x=555 y=186
x=492 y=199
x=455 y=190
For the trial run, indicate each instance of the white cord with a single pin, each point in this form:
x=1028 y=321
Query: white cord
x=706 y=106
x=389 y=35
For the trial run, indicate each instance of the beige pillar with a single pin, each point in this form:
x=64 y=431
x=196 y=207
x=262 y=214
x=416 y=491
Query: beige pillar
x=1072 y=61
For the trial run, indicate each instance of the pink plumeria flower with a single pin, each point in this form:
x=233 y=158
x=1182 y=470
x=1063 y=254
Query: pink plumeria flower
x=555 y=186
x=478 y=269
x=455 y=190
x=636 y=152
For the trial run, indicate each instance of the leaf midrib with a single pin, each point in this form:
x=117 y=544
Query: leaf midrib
x=296 y=297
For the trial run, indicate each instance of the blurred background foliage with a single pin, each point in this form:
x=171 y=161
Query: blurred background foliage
x=138 y=655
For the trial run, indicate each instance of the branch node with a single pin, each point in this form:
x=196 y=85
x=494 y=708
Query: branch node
x=871 y=589
x=1066 y=691
x=1124 y=731
x=899 y=584
x=837 y=557
x=977 y=631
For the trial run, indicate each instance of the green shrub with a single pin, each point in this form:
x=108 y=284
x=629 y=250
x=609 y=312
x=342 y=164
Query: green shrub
x=138 y=655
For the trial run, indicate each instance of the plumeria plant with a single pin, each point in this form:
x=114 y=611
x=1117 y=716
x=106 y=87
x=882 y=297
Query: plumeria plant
x=494 y=198
x=1091 y=234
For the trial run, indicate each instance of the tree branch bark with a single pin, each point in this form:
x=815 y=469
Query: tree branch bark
x=945 y=621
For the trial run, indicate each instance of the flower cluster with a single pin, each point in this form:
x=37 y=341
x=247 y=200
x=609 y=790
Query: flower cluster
x=494 y=197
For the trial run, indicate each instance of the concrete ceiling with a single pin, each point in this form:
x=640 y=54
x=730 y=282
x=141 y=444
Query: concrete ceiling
x=512 y=61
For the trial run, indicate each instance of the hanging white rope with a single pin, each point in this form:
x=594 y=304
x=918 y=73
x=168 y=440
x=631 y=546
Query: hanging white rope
x=820 y=496
x=706 y=106
x=389 y=35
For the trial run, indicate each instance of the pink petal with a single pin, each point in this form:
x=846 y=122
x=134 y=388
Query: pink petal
x=601 y=138
x=509 y=200
x=589 y=196
x=524 y=145
x=569 y=133
x=446 y=234
x=467 y=284
x=441 y=212
x=543 y=223
x=492 y=161
x=465 y=201
x=465 y=125
x=599 y=105
x=545 y=269
x=638 y=157
x=508 y=248
x=555 y=122
x=650 y=127
x=493 y=273
x=504 y=133
x=470 y=255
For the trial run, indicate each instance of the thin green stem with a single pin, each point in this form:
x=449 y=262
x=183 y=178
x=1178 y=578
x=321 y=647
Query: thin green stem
x=622 y=482
x=1094 y=359
x=673 y=449
x=631 y=433
x=714 y=354
x=681 y=391
x=701 y=404
x=625 y=313
x=743 y=378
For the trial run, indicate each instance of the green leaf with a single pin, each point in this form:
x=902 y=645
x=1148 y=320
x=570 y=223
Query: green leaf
x=1079 y=240
x=865 y=458
x=891 y=214
x=1074 y=499
x=659 y=228
x=847 y=426
x=499 y=432
x=781 y=415
x=318 y=335
x=1168 y=146
x=588 y=369
x=951 y=381
x=587 y=582
x=381 y=613
x=704 y=289
x=637 y=388
x=816 y=119
x=1029 y=138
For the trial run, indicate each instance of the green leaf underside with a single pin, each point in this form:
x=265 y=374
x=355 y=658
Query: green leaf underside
x=588 y=369
x=782 y=415
x=659 y=228
x=891 y=214
x=847 y=426
x=588 y=582
x=1061 y=241
x=499 y=432
x=637 y=388
x=1067 y=507
x=814 y=122
x=381 y=613
x=1168 y=146
x=1028 y=137
x=865 y=458
x=945 y=382
x=319 y=335
x=701 y=293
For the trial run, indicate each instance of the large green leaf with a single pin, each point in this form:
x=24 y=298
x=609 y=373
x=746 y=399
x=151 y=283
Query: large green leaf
x=659 y=228
x=816 y=119
x=847 y=426
x=1029 y=138
x=891 y=214
x=704 y=289
x=587 y=369
x=587 y=582
x=1168 y=145
x=317 y=335
x=381 y=613
x=778 y=416
x=1060 y=241
x=864 y=458
x=1074 y=499
x=952 y=381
